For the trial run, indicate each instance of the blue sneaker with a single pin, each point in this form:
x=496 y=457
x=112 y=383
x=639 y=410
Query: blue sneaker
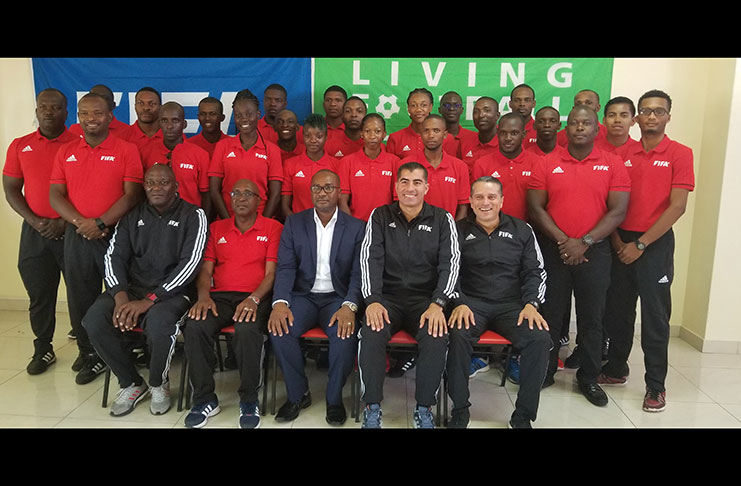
x=372 y=416
x=478 y=365
x=249 y=415
x=423 y=418
x=199 y=414
x=513 y=373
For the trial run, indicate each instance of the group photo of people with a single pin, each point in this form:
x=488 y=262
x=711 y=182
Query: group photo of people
x=542 y=225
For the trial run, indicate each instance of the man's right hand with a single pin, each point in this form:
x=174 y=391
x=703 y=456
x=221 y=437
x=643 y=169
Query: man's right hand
x=376 y=316
x=280 y=319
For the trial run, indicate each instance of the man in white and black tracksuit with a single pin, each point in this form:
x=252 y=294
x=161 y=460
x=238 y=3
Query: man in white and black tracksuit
x=153 y=257
x=409 y=265
x=502 y=285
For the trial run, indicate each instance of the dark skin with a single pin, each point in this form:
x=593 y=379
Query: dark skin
x=314 y=140
x=51 y=113
x=210 y=116
x=161 y=191
x=245 y=200
x=547 y=124
x=95 y=116
x=325 y=205
x=582 y=128
x=433 y=134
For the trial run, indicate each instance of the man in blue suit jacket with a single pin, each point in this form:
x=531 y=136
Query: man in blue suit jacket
x=317 y=283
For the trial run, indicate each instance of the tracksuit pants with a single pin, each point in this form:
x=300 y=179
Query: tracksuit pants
x=161 y=325
x=533 y=344
x=84 y=273
x=404 y=313
x=650 y=278
x=309 y=311
x=248 y=344
x=40 y=265
x=589 y=282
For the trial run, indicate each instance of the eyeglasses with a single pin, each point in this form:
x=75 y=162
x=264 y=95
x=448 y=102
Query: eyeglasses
x=328 y=189
x=448 y=106
x=655 y=111
x=246 y=194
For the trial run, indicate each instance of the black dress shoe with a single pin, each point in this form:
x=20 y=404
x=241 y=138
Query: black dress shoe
x=289 y=411
x=594 y=394
x=336 y=414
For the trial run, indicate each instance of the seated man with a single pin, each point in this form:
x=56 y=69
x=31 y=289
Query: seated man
x=317 y=284
x=410 y=262
x=240 y=260
x=502 y=285
x=153 y=258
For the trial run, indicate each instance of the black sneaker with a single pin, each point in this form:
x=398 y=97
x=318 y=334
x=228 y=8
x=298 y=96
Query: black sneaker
x=92 y=367
x=401 y=367
x=40 y=362
x=573 y=362
x=79 y=361
x=459 y=418
x=517 y=422
x=594 y=393
x=72 y=334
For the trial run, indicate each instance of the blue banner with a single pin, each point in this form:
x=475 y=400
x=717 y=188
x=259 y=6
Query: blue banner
x=185 y=80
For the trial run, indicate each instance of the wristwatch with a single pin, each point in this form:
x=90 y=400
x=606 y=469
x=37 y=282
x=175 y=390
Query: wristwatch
x=535 y=304
x=101 y=225
x=353 y=307
x=587 y=240
x=255 y=299
x=640 y=245
x=153 y=297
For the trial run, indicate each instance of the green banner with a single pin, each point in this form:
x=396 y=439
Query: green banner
x=385 y=83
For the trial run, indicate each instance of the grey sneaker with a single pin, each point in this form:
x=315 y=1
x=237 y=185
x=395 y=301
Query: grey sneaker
x=127 y=399
x=160 y=402
x=423 y=418
x=372 y=416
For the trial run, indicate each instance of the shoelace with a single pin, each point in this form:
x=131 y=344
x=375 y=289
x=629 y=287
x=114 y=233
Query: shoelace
x=372 y=416
x=424 y=417
x=159 y=393
x=128 y=393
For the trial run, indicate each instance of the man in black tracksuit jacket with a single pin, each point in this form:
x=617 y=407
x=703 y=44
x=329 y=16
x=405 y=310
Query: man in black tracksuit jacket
x=409 y=266
x=153 y=257
x=501 y=287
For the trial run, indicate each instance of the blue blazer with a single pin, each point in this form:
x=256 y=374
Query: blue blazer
x=297 y=257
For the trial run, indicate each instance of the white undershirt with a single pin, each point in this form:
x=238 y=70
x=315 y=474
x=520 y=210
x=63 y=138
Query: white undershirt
x=323 y=280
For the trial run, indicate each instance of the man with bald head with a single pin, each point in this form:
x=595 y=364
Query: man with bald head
x=317 y=284
x=210 y=117
x=188 y=161
x=590 y=99
x=116 y=127
x=522 y=102
x=234 y=288
x=485 y=117
x=151 y=262
x=576 y=199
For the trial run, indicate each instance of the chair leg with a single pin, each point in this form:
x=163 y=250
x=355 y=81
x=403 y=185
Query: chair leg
x=445 y=398
x=106 y=386
x=273 y=382
x=505 y=373
x=184 y=384
x=265 y=377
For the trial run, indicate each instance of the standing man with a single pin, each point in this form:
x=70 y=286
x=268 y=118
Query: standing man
x=350 y=141
x=317 y=284
x=410 y=263
x=446 y=175
x=117 y=127
x=547 y=125
x=210 y=117
x=287 y=128
x=619 y=117
x=485 y=117
x=511 y=164
x=451 y=109
x=147 y=102
x=41 y=254
x=522 y=102
x=502 y=287
x=333 y=105
x=577 y=198
x=113 y=167
x=662 y=176
x=188 y=161
x=274 y=100
x=234 y=288
x=153 y=258
x=588 y=98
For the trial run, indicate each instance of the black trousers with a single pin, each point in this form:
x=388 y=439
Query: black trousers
x=40 y=265
x=404 y=313
x=84 y=273
x=533 y=344
x=588 y=282
x=161 y=325
x=650 y=278
x=248 y=345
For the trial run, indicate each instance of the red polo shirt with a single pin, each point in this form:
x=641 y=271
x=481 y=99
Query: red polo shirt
x=465 y=138
x=240 y=258
x=473 y=149
x=205 y=144
x=95 y=176
x=578 y=190
x=117 y=128
x=370 y=182
x=267 y=130
x=300 y=148
x=653 y=175
x=297 y=174
x=189 y=162
x=406 y=141
x=260 y=164
x=514 y=174
x=531 y=136
x=342 y=146
x=449 y=182
x=135 y=135
x=31 y=158
x=606 y=146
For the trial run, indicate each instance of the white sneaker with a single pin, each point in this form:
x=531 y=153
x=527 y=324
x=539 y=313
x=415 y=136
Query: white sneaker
x=127 y=399
x=160 y=402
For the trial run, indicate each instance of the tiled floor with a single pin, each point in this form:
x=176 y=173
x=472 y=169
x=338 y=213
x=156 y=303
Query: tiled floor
x=704 y=391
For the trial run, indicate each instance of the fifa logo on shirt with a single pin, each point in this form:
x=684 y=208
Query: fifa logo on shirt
x=661 y=163
x=187 y=166
x=108 y=158
x=262 y=238
x=526 y=173
x=601 y=167
x=173 y=223
x=450 y=179
x=424 y=227
x=505 y=234
x=261 y=156
x=386 y=173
